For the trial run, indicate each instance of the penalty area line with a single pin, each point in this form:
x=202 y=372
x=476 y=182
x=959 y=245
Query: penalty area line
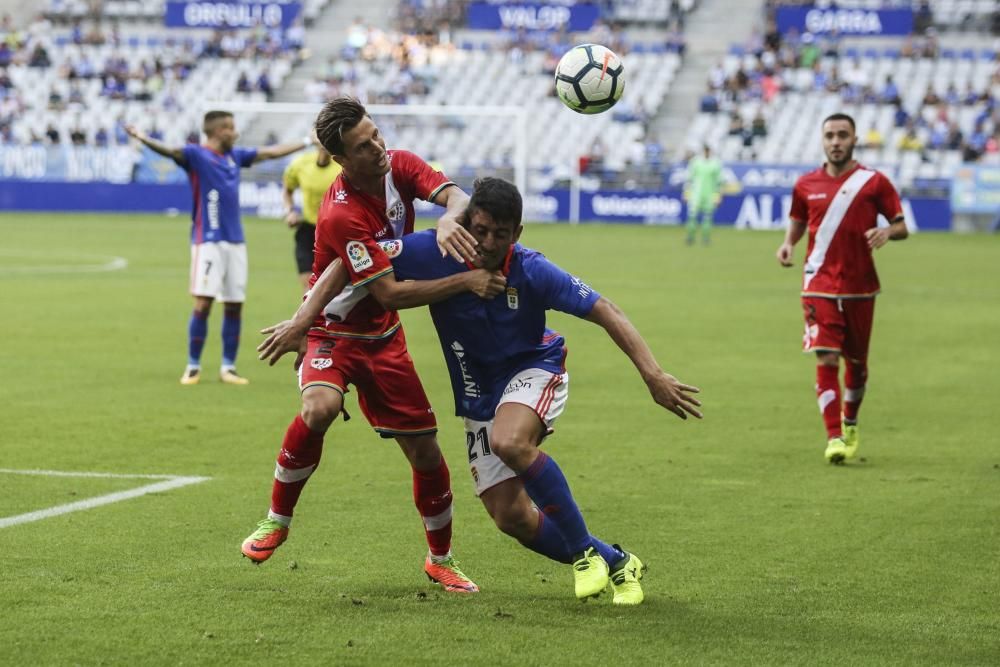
x=168 y=483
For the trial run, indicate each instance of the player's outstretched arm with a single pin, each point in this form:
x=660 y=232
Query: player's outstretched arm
x=452 y=238
x=396 y=295
x=795 y=231
x=287 y=336
x=175 y=154
x=281 y=150
x=665 y=389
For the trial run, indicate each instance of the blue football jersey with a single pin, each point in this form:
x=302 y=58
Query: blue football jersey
x=215 y=185
x=487 y=342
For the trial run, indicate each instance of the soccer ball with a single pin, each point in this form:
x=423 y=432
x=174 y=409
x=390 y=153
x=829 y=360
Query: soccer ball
x=590 y=78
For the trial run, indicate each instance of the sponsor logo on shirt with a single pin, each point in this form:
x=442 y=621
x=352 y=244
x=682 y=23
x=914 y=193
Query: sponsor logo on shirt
x=582 y=289
x=392 y=248
x=512 y=298
x=382 y=232
x=321 y=364
x=340 y=197
x=470 y=386
x=358 y=254
x=817 y=195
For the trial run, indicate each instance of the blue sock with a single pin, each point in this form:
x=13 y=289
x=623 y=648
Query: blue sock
x=197 y=330
x=608 y=552
x=548 y=489
x=230 y=338
x=549 y=541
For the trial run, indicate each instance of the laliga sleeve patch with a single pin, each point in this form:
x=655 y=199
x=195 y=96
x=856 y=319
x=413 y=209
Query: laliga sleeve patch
x=392 y=248
x=358 y=254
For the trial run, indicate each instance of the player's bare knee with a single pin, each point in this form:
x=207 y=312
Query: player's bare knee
x=828 y=358
x=320 y=408
x=514 y=449
x=422 y=451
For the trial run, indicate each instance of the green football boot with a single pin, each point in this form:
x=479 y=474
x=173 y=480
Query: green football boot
x=851 y=440
x=836 y=451
x=625 y=580
x=590 y=574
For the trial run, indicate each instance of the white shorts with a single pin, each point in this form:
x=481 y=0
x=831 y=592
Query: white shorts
x=540 y=390
x=219 y=271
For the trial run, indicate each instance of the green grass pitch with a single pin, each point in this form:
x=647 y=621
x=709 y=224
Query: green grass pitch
x=759 y=552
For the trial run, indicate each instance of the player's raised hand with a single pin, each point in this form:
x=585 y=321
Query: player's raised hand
x=784 y=254
x=134 y=132
x=674 y=395
x=284 y=337
x=485 y=284
x=455 y=240
x=877 y=237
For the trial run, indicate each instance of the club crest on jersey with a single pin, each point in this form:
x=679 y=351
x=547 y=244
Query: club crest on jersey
x=512 y=298
x=321 y=364
x=358 y=254
x=396 y=211
x=391 y=248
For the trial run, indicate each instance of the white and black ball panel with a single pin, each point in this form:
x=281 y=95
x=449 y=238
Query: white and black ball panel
x=590 y=78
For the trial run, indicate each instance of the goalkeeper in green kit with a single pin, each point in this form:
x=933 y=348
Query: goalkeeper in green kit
x=703 y=186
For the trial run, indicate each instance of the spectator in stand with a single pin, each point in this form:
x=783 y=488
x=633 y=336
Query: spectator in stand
x=810 y=51
x=264 y=85
x=931 y=97
x=890 y=92
x=910 y=141
x=951 y=95
x=923 y=18
x=736 y=127
x=101 y=137
x=955 y=138
x=77 y=136
x=39 y=57
x=56 y=101
x=873 y=138
x=709 y=101
x=758 y=127
x=900 y=117
x=243 y=84
x=52 y=134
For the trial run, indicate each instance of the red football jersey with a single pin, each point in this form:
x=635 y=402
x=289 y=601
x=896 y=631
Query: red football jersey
x=350 y=224
x=838 y=211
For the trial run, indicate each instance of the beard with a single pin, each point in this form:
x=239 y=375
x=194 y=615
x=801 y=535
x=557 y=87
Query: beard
x=846 y=156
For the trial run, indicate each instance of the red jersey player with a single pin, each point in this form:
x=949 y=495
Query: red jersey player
x=359 y=339
x=839 y=205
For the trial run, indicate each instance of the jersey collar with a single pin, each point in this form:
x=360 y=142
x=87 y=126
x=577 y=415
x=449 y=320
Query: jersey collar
x=504 y=268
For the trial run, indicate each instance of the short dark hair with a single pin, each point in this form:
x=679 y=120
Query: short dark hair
x=840 y=116
x=497 y=197
x=339 y=115
x=213 y=116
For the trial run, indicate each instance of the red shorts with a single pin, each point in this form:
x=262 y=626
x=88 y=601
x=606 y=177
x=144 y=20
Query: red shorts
x=838 y=325
x=389 y=392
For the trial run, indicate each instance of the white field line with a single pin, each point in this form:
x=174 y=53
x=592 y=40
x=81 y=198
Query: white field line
x=110 y=264
x=168 y=482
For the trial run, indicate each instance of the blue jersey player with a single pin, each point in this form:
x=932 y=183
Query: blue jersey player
x=218 y=248
x=510 y=382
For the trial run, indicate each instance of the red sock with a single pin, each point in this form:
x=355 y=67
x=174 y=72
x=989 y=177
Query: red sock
x=828 y=394
x=432 y=496
x=297 y=460
x=855 y=379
